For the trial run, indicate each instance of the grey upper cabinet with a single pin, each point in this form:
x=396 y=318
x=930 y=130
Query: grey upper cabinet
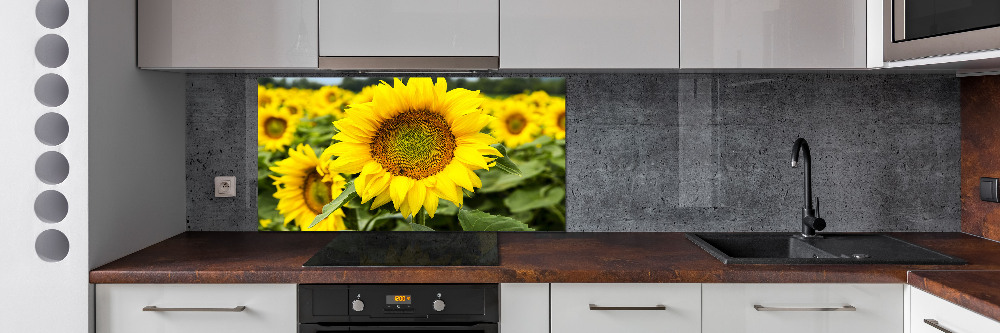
x=221 y=34
x=583 y=34
x=780 y=34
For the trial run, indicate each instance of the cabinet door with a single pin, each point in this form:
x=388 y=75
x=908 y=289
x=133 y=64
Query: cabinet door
x=802 y=308
x=269 y=308
x=626 y=307
x=589 y=34
x=773 y=34
x=227 y=34
x=524 y=308
x=407 y=28
x=951 y=317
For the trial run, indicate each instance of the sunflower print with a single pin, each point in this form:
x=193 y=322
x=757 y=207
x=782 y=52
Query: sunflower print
x=414 y=144
x=555 y=119
x=275 y=127
x=515 y=123
x=329 y=100
x=304 y=187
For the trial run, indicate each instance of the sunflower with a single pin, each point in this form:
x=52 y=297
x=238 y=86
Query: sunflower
x=295 y=106
x=328 y=101
x=555 y=119
x=515 y=124
x=413 y=144
x=266 y=97
x=304 y=187
x=275 y=127
x=364 y=96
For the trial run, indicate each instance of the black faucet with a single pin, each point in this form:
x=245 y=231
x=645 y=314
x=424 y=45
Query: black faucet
x=810 y=222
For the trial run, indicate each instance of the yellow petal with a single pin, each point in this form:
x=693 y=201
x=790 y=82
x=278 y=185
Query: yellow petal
x=398 y=188
x=457 y=174
x=431 y=204
x=415 y=198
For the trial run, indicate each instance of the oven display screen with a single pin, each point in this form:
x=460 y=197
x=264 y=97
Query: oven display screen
x=397 y=299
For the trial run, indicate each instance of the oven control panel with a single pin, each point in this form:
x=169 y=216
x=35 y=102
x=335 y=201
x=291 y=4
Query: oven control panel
x=399 y=303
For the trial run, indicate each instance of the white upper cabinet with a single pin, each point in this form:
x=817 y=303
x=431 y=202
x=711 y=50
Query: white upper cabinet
x=227 y=34
x=585 y=34
x=779 y=33
x=406 y=28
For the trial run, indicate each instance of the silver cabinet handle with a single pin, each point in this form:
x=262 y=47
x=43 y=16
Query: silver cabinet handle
x=233 y=309
x=759 y=307
x=615 y=308
x=935 y=324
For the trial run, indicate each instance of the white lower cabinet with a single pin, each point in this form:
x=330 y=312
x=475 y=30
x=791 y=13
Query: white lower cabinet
x=802 y=308
x=626 y=307
x=196 y=308
x=524 y=307
x=930 y=314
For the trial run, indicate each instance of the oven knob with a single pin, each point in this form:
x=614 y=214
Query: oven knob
x=438 y=305
x=358 y=305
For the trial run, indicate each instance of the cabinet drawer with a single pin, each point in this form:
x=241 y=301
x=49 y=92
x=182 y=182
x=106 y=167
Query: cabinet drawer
x=269 y=308
x=642 y=307
x=729 y=308
x=948 y=315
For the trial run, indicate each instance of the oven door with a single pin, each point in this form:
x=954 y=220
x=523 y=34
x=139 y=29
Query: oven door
x=927 y=28
x=473 y=328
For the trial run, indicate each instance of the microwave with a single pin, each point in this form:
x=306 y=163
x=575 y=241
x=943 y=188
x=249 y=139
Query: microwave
x=916 y=29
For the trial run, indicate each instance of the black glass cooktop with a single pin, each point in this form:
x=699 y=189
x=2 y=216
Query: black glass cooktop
x=407 y=248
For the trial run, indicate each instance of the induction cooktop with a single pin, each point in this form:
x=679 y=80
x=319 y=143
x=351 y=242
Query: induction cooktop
x=407 y=248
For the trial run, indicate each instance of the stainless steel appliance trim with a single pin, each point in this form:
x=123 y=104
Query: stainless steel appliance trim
x=935 y=324
x=628 y=308
x=759 y=307
x=409 y=63
x=158 y=309
x=962 y=42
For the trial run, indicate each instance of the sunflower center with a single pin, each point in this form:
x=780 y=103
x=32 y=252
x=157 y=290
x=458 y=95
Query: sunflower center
x=516 y=123
x=263 y=101
x=275 y=127
x=315 y=192
x=331 y=97
x=293 y=109
x=414 y=144
x=561 y=121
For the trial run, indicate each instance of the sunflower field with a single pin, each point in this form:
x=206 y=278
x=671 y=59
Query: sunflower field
x=417 y=154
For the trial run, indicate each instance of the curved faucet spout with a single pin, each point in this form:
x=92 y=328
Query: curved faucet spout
x=810 y=222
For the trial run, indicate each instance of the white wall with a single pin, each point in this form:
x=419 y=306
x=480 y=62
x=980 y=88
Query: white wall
x=137 y=185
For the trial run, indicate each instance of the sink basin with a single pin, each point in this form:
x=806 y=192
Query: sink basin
x=786 y=248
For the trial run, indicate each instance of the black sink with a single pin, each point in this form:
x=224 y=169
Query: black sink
x=787 y=248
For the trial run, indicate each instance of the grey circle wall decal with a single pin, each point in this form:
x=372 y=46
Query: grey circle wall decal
x=51 y=206
x=51 y=129
x=51 y=51
x=52 y=13
x=51 y=90
x=52 y=245
x=52 y=167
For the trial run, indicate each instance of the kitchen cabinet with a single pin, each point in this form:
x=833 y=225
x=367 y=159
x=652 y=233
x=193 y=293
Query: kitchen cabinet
x=802 y=308
x=403 y=34
x=626 y=307
x=576 y=34
x=524 y=307
x=780 y=34
x=196 y=308
x=221 y=34
x=930 y=314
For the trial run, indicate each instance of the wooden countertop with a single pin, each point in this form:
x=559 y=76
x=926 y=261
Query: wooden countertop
x=273 y=257
x=978 y=291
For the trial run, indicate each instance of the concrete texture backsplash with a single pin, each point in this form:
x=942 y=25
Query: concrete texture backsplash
x=682 y=152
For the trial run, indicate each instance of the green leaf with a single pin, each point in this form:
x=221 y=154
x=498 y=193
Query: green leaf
x=474 y=220
x=348 y=194
x=445 y=207
x=418 y=227
x=534 y=197
x=503 y=162
x=542 y=140
x=496 y=181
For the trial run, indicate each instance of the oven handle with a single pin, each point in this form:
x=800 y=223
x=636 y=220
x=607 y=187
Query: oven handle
x=415 y=327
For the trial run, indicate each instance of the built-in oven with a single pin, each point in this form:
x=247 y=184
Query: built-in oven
x=927 y=28
x=390 y=308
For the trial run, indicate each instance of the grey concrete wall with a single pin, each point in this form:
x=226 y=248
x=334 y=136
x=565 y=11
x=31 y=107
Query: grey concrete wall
x=684 y=152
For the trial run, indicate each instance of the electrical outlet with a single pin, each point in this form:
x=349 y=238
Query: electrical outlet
x=225 y=186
